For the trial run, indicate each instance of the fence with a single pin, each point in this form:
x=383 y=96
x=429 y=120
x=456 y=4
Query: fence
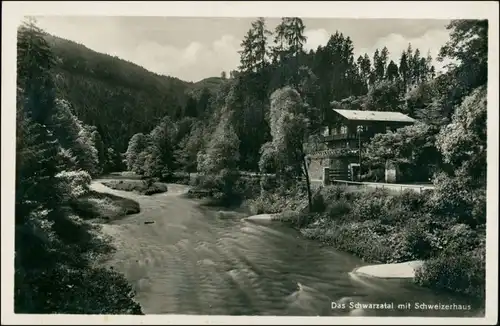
x=390 y=186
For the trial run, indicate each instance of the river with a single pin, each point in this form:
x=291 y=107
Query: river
x=196 y=260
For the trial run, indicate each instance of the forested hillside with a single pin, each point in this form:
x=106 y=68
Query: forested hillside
x=118 y=97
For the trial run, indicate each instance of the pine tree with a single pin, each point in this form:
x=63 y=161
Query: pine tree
x=392 y=71
x=247 y=57
x=411 y=66
x=417 y=67
x=254 y=53
x=384 y=56
x=34 y=63
x=404 y=70
x=36 y=184
x=260 y=33
x=295 y=36
x=379 y=63
x=289 y=48
x=364 y=66
x=280 y=47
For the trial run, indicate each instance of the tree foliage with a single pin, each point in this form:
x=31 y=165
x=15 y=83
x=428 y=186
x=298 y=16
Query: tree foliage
x=463 y=141
x=412 y=147
x=289 y=130
x=54 y=248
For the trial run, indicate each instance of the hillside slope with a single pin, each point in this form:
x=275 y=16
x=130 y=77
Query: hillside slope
x=120 y=98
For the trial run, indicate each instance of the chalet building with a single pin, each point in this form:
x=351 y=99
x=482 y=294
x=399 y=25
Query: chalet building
x=345 y=136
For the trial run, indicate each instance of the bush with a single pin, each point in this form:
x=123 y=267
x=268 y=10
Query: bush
x=369 y=207
x=268 y=183
x=75 y=291
x=144 y=187
x=361 y=239
x=460 y=238
x=267 y=203
x=247 y=187
x=74 y=183
x=415 y=242
x=463 y=272
x=339 y=210
x=295 y=219
x=156 y=188
x=457 y=198
x=278 y=201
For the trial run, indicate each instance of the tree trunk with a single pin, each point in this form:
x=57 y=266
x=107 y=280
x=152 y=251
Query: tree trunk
x=308 y=183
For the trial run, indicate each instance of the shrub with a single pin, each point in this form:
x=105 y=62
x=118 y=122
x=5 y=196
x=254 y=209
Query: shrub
x=415 y=242
x=368 y=208
x=75 y=291
x=463 y=272
x=278 y=201
x=74 y=183
x=145 y=187
x=268 y=183
x=267 y=203
x=339 y=209
x=361 y=239
x=458 y=199
x=247 y=187
x=155 y=189
x=460 y=238
x=295 y=219
x=408 y=200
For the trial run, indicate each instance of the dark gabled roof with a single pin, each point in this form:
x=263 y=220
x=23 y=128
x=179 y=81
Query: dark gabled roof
x=375 y=116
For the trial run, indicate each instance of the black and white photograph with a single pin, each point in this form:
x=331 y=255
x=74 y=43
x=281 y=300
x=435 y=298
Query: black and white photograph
x=263 y=164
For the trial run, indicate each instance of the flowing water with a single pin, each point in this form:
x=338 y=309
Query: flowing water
x=195 y=260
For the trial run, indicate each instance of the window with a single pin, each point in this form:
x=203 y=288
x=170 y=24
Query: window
x=343 y=130
x=388 y=128
x=334 y=130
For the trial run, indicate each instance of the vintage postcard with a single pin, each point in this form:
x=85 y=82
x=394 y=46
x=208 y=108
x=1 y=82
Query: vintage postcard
x=249 y=162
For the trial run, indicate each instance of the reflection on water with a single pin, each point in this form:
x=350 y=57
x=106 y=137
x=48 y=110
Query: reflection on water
x=194 y=260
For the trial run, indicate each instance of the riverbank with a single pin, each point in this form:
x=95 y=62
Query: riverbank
x=142 y=187
x=386 y=228
x=99 y=206
x=243 y=267
x=376 y=225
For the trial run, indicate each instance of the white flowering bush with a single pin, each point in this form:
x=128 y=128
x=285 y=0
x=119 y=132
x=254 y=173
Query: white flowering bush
x=74 y=183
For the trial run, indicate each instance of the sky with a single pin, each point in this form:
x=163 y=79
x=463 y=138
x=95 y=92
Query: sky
x=194 y=48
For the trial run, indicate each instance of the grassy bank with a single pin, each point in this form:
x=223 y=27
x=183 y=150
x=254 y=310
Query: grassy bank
x=101 y=206
x=142 y=187
x=380 y=226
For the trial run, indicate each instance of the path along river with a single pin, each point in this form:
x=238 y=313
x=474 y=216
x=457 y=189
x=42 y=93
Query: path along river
x=195 y=260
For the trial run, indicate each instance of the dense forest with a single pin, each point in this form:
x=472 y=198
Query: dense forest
x=81 y=113
x=120 y=98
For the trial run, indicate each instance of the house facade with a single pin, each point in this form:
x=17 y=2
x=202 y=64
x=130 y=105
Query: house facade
x=345 y=136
